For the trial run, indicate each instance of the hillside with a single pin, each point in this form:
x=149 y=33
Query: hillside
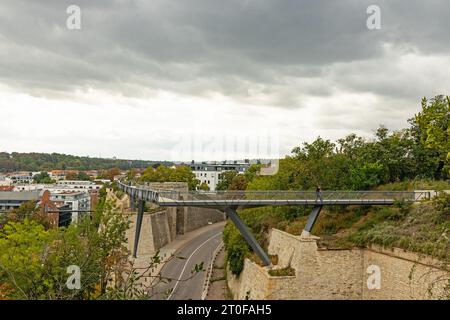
x=47 y=161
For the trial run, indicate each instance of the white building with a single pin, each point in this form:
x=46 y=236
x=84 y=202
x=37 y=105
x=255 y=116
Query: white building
x=80 y=185
x=60 y=186
x=76 y=201
x=5 y=180
x=22 y=177
x=12 y=200
x=211 y=173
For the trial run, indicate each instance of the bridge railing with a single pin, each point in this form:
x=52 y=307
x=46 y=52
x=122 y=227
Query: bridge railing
x=291 y=195
x=144 y=192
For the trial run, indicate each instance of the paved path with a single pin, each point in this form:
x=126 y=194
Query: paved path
x=199 y=248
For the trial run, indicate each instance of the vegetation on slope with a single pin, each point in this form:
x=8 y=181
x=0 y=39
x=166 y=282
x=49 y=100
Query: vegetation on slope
x=416 y=157
x=16 y=161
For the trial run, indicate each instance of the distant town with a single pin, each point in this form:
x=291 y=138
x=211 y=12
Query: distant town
x=64 y=195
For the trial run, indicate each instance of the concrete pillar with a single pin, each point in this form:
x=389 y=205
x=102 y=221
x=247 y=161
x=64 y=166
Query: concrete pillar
x=248 y=236
x=140 y=215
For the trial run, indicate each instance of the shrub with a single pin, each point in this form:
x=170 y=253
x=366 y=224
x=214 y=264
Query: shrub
x=441 y=203
x=236 y=248
x=288 y=271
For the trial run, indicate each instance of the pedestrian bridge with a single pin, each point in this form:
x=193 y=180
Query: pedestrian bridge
x=230 y=201
x=251 y=199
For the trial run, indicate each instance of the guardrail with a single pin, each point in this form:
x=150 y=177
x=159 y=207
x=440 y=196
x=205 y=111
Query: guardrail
x=147 y=194
x=210 y=270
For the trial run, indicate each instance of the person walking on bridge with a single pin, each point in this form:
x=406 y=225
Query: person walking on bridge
x=319 y=193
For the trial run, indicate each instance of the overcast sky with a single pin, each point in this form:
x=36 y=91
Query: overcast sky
x=210 y=79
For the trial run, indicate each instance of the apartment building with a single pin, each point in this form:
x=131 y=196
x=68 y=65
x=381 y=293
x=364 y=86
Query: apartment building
x=211 y=172
x=10 y=200
x=80 y=185
x=76 y=200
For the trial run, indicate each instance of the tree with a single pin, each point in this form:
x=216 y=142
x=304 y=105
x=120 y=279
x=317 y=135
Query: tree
x=83 y=176
x=131 y=174
x=43 y=177
x=239 y=182
x=71 y=176
x=252 y=172
x=431 y=131
x=110 y=173
x=204 y=186
x=316 y=150
x=34 y=261
x=226 y=179
x=366 y=176
x=166 y=174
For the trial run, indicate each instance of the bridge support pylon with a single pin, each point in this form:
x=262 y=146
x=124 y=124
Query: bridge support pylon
x=140 y=216
x=132 y=203
x=311 y=220
x=248 y=236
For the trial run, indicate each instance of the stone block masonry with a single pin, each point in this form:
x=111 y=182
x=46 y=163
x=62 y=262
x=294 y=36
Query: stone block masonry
x=161 y=226
x=338 y=274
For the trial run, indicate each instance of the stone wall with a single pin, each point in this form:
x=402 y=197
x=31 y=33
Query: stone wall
x=404 y=275
x=195 y=218
x=256 y=284
x=146 y=236
x=336 y=274
x=161 y=225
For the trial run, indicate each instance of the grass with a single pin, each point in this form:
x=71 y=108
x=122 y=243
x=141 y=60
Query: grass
x=421 y=230
x=422 y=184
x=423 y=227
x=254 y=257
x=285 y=272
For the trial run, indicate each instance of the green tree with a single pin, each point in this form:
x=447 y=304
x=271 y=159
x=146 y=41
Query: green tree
x=252 y=172
x=431 y=131
x=204 y=186
x=366 y=176
x=34 y=261
x=239 y=182
x=166 y=174
x=43 y=177
x=226 y=179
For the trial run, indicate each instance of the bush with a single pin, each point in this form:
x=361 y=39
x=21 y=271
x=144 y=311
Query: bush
x=288 y=271
x=236 y=248
x=441 y=203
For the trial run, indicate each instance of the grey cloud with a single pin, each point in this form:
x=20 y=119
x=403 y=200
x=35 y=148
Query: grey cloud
x=285 y=49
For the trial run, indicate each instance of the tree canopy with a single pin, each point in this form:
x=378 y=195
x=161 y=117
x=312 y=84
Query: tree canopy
x=16 y=161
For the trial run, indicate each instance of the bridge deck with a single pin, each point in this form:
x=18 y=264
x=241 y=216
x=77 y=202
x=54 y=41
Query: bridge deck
x=229 y=201
x=242 y=203
x=268 y=198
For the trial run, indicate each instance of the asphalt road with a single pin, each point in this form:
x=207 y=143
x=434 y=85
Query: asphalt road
x=186 y=285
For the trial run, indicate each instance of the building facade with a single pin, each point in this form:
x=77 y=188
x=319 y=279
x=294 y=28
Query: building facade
x=76 y=201
x=10 y=200
x=211 y=172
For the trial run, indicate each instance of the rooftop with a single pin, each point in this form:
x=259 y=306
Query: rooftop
x=21 y=196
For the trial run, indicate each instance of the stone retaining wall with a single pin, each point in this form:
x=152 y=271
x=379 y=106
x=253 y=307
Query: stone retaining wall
x=163 y=224
x=338 y=274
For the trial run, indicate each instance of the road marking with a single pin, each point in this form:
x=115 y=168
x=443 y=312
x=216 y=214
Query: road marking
x=187 y=261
